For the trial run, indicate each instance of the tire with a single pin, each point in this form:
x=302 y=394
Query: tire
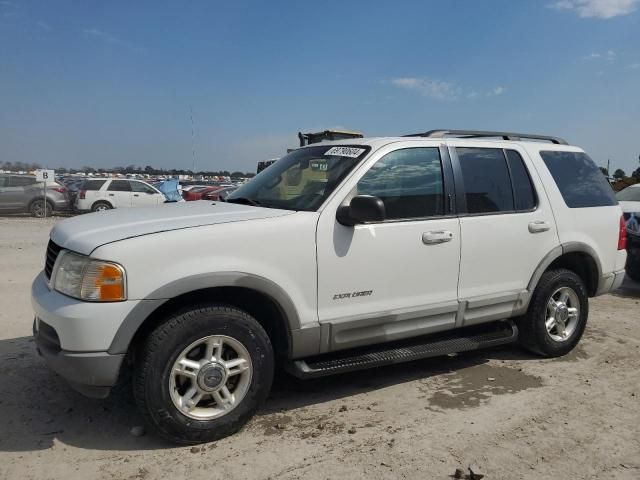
x=158 y=389
x=632 y=268
x=557 y=341
x=101 y=207
x=37 y=208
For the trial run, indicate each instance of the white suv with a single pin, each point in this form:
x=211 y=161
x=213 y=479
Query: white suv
x=340 y=256
x=104 y=194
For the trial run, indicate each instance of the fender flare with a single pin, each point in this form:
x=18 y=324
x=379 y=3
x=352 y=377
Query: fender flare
x=193 y=283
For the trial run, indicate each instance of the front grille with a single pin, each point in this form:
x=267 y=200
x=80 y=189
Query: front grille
x=52 y=254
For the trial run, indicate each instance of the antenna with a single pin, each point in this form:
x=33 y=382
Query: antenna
x=193 y=140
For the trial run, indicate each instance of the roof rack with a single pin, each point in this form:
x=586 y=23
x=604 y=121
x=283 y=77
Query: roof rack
x=488 y=134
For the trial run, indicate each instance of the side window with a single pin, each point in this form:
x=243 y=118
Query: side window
x=408 y=181
x=523 y=192
x=486 y=180
x=21 y=181
x=4 y=182
x=141 y=188
x=580 y=182
x=119 y=186
x=92 y=184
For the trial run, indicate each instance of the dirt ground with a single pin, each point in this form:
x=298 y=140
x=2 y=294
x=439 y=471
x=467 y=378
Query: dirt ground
x=504 y=412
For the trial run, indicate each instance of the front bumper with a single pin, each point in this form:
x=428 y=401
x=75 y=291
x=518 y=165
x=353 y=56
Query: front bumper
x=90 y=373
x=74 y=337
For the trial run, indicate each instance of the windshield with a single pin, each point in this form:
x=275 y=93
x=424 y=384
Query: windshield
x=301 y=180
x=629 y=194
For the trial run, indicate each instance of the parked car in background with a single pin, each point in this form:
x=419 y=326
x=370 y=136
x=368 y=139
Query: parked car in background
x=197 y=193
x=22 y=193
x=220 y=194
x=105 y=194
x=73 y=185
x=629 y=200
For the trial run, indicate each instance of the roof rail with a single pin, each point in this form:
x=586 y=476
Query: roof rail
x=488 y=134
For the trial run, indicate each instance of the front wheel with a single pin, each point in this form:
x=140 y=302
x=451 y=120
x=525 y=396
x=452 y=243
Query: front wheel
x=203 y=373
x=557 y=314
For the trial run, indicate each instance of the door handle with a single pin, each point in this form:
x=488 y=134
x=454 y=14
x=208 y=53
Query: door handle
x=435 y=237
x=136 y=195
x=111 y=194
x=539 y=226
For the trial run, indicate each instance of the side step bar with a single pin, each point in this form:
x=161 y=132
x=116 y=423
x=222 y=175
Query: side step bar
x=458 y=340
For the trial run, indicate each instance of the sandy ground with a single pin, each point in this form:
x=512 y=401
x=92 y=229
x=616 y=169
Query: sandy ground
x=506 y=413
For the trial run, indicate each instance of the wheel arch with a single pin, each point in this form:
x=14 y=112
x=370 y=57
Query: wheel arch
x=264 y=300
x=35 y=199
x=102 y=201
x=575 y=256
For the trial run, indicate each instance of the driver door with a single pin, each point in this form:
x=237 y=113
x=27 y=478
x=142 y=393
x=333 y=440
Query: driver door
x=397 y=278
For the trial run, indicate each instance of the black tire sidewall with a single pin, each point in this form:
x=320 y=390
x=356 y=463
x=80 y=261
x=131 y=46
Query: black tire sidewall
x=33 y=204
x=534 y=333
x=94 y=207
x=169 y=340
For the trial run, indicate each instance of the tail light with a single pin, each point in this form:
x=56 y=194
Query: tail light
x=622 y=235
x=82 y=194
x=59 y=190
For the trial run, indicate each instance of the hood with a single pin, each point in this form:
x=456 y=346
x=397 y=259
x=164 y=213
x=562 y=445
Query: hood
x=629 y=207
x=85 y=233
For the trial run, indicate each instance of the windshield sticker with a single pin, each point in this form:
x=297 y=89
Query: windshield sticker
x=345 y=152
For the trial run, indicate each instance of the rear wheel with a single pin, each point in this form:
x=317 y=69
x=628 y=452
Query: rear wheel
x=557 y=314
x=40 y=209
x=203 y=373
x=101 y=207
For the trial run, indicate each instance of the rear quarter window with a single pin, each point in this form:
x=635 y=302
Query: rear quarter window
x=579 y=180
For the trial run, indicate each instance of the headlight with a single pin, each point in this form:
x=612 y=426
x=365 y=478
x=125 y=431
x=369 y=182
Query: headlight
x=84 y=278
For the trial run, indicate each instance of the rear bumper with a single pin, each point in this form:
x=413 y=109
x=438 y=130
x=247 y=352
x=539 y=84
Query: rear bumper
x=610 y=282
x=90 y=373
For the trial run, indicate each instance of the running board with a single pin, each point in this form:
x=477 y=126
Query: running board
x=454 y=341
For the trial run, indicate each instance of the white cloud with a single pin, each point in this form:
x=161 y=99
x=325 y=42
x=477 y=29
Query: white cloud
x=609 y=56
x=428 y=87
x=597 y=8
x=43 y=25
x=108 y=38
x=442 y=90
x=634 y=66
x=592 y=56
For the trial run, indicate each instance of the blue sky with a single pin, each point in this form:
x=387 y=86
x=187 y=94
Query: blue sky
x=112 y=83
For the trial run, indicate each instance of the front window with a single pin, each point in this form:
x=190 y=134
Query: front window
x=301 y=180
x=629 y=194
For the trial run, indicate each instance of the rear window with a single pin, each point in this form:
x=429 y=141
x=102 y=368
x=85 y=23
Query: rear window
x=92 y=184
x=579 y=180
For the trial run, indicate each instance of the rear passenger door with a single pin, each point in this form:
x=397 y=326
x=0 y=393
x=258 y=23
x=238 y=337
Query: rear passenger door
x=506 y=224
x=119 y=193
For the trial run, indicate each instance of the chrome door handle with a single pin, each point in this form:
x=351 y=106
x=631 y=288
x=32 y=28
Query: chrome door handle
x=539 y=226
x=435 y=237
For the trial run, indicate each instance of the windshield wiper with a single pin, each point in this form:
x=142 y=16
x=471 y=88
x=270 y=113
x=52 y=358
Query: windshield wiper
x=244 y=200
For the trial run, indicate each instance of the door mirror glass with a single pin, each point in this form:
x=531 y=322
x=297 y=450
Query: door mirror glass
x=362 y=209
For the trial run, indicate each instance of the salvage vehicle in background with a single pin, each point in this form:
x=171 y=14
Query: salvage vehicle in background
x=105 y=194
x=22 y=193
x=198 y=192
x=341 y=256
x=629 y=200
x=219 y=195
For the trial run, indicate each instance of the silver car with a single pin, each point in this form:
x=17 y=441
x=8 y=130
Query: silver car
x=21 y=193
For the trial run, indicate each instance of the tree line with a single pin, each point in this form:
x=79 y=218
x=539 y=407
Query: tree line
x=129 y=169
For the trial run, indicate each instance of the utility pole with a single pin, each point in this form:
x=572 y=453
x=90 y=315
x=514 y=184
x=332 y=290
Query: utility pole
x=193 y=140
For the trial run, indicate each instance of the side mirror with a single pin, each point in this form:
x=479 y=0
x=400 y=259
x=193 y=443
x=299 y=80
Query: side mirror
x=361 y=209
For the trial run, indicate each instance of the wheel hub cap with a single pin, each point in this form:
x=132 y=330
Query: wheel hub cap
x=211 y=376
x=562 y=313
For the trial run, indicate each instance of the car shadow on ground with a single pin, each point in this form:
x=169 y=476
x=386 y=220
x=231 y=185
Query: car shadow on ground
x=39 y=409
x=628 y=289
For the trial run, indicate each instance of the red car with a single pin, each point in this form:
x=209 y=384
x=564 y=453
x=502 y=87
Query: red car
x=219 y=194
x=197 y=193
